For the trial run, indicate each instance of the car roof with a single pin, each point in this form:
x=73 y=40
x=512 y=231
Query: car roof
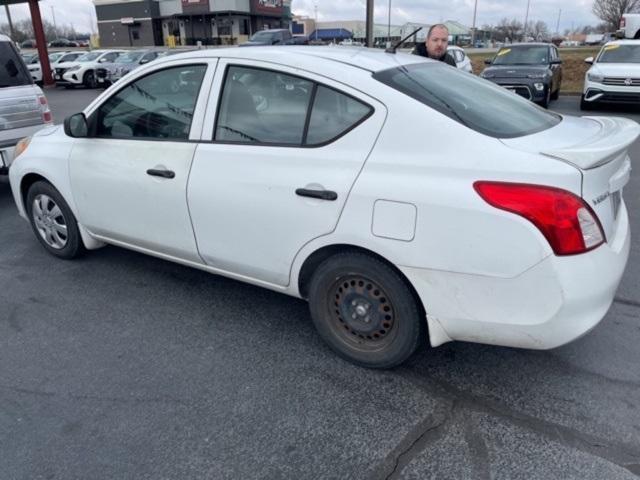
x=373 y=60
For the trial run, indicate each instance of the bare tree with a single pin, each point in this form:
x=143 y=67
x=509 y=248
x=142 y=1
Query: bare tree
x=510 y=29
x=611 y=11
x=538 y=30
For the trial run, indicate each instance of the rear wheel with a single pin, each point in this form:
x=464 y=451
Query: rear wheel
x=53 y=222
x=365 y=311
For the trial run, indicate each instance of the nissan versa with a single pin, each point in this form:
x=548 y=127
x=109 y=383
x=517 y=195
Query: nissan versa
x=405 y=200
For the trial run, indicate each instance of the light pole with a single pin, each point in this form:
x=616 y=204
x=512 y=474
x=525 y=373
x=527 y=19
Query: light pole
x=369 y=32
x=316 y=32
x=473 y=28
x=389 y=27
x=526 y=20
x=55 y=27
x=558 y=23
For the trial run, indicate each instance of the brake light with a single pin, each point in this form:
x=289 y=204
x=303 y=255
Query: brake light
x=623 y=22
x=47 y=116
x=565 y=220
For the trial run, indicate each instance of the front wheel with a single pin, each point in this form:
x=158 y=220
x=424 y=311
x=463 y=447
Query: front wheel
x=365 y=311
x=89 y=80
x=53 y=222
x=584 y=105
x=547 y=98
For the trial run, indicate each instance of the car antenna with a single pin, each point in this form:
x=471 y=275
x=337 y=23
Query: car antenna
x=393 y=48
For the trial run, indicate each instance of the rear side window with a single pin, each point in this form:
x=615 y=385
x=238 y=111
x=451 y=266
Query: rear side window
x=475 y=103
x=13 y=72
x=333 y=114
x=272 y=108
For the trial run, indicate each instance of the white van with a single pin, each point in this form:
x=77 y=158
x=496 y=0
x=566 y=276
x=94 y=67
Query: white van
x=23 y=107
x=629 y=26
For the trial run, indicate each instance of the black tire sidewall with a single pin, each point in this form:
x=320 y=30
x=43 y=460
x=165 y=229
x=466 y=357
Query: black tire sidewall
x=410 y=323
x=74 y=246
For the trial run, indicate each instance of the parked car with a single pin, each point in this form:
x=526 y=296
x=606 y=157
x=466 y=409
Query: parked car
x=304 y=170
x=125 y=63
x=82 y=71
x=29 y=44
x=55 y=59
x=63 y=42
x=462 y=60
x=629 y=26
x=297 y=40
x=23 y=107
x=532 y=70
x=268 y=37
x=614 y=76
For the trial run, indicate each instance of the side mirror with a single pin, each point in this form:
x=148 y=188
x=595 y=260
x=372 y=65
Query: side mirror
x=487 y=61
x=589 y=60
x=76 y=126
x=557 y=61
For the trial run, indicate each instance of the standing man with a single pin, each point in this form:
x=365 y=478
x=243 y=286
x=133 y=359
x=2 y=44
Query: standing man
x=436 y=44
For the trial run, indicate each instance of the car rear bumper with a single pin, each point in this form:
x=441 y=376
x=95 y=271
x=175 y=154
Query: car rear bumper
x=551 y=304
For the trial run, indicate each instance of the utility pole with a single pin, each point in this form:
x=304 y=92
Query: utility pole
x=526 y=21
x=558 y=22
x=473 y=28
x=316 y=8
x=369 y=32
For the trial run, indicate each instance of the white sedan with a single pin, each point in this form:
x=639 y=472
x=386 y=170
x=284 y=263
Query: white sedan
x=463 y=61
x=614 y=76
x=404 y=199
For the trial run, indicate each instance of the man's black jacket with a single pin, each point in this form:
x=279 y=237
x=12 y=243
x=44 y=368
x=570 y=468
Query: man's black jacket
x=421 y=49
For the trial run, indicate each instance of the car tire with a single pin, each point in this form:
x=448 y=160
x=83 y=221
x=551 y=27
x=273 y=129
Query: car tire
x=555 y=95
x=53 y=222
x=545 y=103
x=365 y=310
x=89 y=80
x=584 y=105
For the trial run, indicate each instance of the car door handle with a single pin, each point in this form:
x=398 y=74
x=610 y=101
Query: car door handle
x=320 y=194
x=161 y=173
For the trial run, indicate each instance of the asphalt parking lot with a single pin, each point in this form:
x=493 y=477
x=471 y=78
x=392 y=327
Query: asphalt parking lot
x=123 y=366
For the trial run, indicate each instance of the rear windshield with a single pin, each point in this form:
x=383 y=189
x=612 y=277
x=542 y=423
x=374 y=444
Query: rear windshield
x=618 y=53
x=476 y=103
x=13 y=72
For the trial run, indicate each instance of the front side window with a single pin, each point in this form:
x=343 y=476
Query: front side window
x=476 y=103
x=262 y=106
x=157 y=106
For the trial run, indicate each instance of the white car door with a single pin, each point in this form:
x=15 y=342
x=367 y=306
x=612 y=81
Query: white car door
x=284 y=150
x=129 y=179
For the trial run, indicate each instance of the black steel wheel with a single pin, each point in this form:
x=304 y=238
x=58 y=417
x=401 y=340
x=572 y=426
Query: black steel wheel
x=365 y=310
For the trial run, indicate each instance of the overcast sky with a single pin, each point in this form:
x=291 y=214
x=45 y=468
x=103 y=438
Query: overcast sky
x=81 y=13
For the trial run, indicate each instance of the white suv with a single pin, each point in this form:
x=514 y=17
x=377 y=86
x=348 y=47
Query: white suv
x=23 y=106
x=83 y=70
x=614 y=76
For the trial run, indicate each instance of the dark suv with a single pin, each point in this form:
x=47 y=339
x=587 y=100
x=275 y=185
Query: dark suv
x=532 y=70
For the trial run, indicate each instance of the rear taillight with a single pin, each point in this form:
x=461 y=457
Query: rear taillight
x=47 y=116
x=565 y=220
x=623 y=22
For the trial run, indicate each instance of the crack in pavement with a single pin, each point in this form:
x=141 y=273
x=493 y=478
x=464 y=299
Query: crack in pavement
x=624 y=301
x=415 y=441
x=620 y=455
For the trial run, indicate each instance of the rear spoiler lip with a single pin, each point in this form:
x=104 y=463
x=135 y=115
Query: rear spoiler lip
x=614 y=138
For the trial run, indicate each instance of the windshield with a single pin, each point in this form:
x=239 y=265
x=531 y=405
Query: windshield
x=476 y=103
x=12 y=71
x=130 y=57
x=88 y=57
x=618 y=53
x=263 y=37
x=522 y=56
x=30 y=58
x=55 y=56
